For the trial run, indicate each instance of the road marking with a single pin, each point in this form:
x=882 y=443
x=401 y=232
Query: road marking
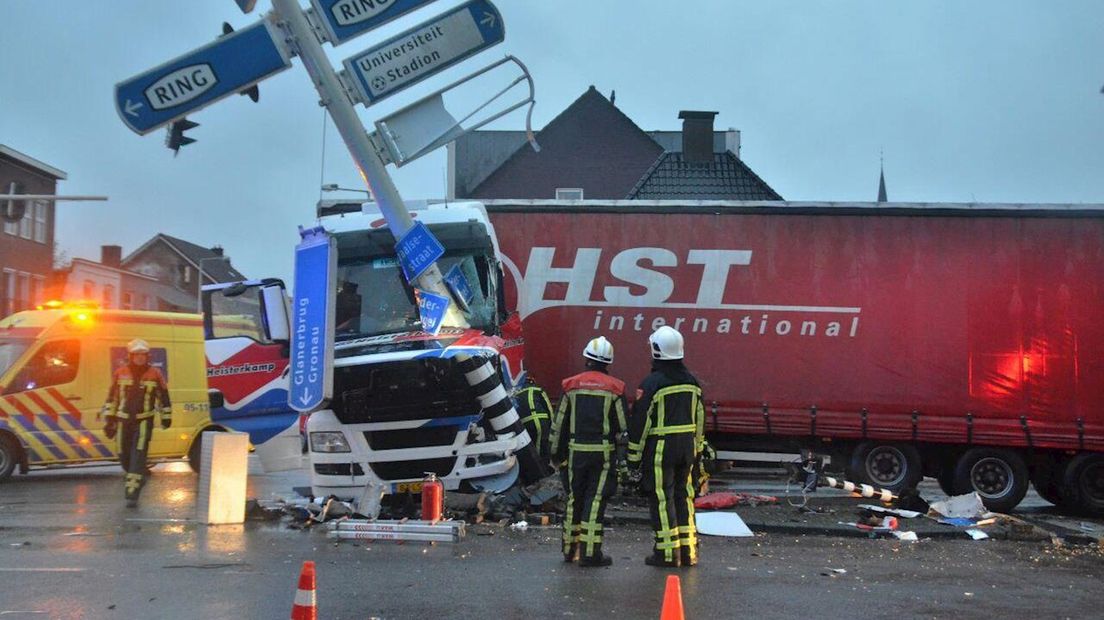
x=42 y=570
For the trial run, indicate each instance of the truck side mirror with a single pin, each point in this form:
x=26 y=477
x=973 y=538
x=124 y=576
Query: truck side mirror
x=276 y=313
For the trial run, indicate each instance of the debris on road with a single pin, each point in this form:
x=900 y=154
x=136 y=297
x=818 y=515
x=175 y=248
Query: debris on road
x=717 y=501
x=977 y=534
x=967 y=506
x=904 y=514
x=722 y=524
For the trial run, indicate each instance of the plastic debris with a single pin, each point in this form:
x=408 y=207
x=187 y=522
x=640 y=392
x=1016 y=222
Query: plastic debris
x=905 y=536
x=977 y=534
x=904 y=514
x=520 y=526
x=960 y=506
x=716 y=501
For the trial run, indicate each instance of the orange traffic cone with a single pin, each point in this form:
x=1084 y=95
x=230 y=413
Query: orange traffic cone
x=305 y=607
x=672 y=600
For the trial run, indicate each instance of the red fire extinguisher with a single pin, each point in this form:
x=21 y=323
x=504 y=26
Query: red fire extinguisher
x=433 y=498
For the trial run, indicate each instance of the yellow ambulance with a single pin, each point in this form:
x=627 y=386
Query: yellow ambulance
x=56 y=365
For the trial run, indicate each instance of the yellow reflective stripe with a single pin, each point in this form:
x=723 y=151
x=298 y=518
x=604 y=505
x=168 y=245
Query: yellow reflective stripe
x=535 y=416
x=591 y=447
x=664 y=531
x=672 y=430
x=143 y=436
x=592 y=523
x=569 y=530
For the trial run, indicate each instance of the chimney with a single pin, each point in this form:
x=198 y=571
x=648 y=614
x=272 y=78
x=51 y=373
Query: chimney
x=217 y=250
x=111 y=256
x=697 y=136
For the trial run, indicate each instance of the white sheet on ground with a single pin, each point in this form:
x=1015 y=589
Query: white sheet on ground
x=722 y=524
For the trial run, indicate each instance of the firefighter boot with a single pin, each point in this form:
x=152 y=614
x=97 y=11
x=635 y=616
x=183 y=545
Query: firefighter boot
x=598 y=559
x=133 y=486
x=688 y=556
x=657 y=559
x=572 y=552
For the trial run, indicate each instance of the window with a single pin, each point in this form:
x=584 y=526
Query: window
x=147 y=303
x=38 y=287
x=40 y=214
x=11 y=228
x=89 y=290
x=187 y=273
x=55 y=363
x=569 y=193
x=233 y=315
x=7 y=278
x=26 y=225
x=108 y=296
x=22 y=292
x=128 y=300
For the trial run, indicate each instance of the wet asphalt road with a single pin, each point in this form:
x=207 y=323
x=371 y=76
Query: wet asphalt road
x=69 y=549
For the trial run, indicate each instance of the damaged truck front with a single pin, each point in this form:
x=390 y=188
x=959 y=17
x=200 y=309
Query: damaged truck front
x=407 y=402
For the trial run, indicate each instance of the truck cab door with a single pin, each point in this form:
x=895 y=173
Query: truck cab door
x=247 y=335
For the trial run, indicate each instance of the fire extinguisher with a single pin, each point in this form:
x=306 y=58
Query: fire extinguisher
x=433 y=498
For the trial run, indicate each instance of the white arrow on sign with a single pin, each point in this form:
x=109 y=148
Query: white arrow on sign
x=132 y=108
x=305 y=398
x=488 y=20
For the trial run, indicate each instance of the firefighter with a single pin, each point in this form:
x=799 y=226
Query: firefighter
x=138 y=395
x=588 y=424
x=665 y=439
x=535 y=411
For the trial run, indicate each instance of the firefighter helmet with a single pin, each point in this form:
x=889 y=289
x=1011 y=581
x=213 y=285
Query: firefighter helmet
x=599 y=350
x=137 y=346
x=666 y=343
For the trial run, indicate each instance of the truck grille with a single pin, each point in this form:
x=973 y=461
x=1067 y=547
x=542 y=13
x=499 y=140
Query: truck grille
x=406 y=470
x=411 y=438
x=405 y=390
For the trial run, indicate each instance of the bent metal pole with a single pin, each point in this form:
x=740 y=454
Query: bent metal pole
x=348 y=124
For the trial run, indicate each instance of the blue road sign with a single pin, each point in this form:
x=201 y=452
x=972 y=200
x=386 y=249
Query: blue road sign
x=417 y=250
x=458 y=283
x=426 y=49
x=348 y=19
x=432 y=309
x=312 y=320
x=199 y=78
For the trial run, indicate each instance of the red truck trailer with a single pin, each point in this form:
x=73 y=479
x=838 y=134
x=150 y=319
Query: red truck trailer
x=960 y=341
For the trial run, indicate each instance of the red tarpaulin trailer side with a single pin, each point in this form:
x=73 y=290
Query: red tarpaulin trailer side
x=943 y=325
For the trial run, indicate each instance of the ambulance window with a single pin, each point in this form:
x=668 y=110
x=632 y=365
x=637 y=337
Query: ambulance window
x=55 y=363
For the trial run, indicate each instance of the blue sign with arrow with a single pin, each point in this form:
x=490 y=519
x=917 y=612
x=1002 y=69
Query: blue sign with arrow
x=425 y=50
x=348 y=19
x=458 y=284
x=432 y=309
x=417 y=250
x=312 y=320
x=201 y=77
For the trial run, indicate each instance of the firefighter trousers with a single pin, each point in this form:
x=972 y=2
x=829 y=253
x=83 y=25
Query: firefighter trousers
x=134 y=439
x=665 y=478
x=591 y=482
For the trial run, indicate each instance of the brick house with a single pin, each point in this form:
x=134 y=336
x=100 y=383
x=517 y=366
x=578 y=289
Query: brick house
x=176 y=265
x=27 y=244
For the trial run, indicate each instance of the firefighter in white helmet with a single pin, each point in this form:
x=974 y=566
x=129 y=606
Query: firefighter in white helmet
x=665 y=438
x=588 y=423
x=138 y=395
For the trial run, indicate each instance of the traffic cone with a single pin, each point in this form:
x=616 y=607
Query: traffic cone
x=672 y=600
x=305 y=607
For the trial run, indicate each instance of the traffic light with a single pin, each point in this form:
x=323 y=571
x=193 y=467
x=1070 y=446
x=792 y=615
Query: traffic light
x=176 y=137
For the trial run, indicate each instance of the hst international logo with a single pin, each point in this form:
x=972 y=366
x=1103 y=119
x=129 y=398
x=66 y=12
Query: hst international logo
x=640 y=296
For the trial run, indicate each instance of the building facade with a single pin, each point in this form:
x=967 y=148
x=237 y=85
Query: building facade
x=180 y=267
x=27 y=236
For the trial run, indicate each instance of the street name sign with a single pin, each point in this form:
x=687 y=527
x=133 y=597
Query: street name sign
x=312 y=320
x=417 y=250
x=426 y=49
x=201 y=77
x=432 y=309
x=458 y=284
x=347 y=19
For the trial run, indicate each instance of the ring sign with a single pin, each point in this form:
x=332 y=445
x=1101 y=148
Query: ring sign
x=312 y=321
x=348 y=19
x=425 y=50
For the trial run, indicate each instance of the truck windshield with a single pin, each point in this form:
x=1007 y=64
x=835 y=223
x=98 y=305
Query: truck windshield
x=373 y=297
x=10 y=350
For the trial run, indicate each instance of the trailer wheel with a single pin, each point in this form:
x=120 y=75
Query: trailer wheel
x=1047 y=480
x=1083 y=484
x=946 y=479
x=10 y=455
x=999 y=476
x=890 y=466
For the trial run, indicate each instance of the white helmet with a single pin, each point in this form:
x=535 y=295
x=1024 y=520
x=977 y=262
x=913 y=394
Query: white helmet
x=666 y=343
x=137 y=346
x=599 y=350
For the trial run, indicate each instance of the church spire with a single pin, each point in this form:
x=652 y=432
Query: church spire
x=881 y=181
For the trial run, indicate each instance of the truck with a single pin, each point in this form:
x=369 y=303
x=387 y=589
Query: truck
x=226 y=370
x=958 y=341
x=402 y=404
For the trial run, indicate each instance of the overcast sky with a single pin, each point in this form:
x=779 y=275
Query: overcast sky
x=995 y=101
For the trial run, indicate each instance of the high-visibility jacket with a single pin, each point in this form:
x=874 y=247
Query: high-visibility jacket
x=138 y=393
x=668 y=403
x=535 y=411
x=591 y=414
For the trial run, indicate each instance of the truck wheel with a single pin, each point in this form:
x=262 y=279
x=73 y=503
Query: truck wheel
x=1047 y=480
x=890 y=466
x=1083 y=484
x=999 y=477
x=10 y=454
x=946 y=479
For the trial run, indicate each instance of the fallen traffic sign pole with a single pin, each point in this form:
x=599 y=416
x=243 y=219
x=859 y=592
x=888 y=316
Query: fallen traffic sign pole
x=362 y=529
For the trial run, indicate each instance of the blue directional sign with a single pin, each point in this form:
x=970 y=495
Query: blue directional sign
x=432 y=309
x=424 y=50
x=199 y=78
x=458 y=284
x=417 y=250
x=312 y=320
x=347 y=19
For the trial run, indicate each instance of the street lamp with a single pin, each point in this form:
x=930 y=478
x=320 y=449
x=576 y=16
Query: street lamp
x=333 y=187
x=199 y=285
